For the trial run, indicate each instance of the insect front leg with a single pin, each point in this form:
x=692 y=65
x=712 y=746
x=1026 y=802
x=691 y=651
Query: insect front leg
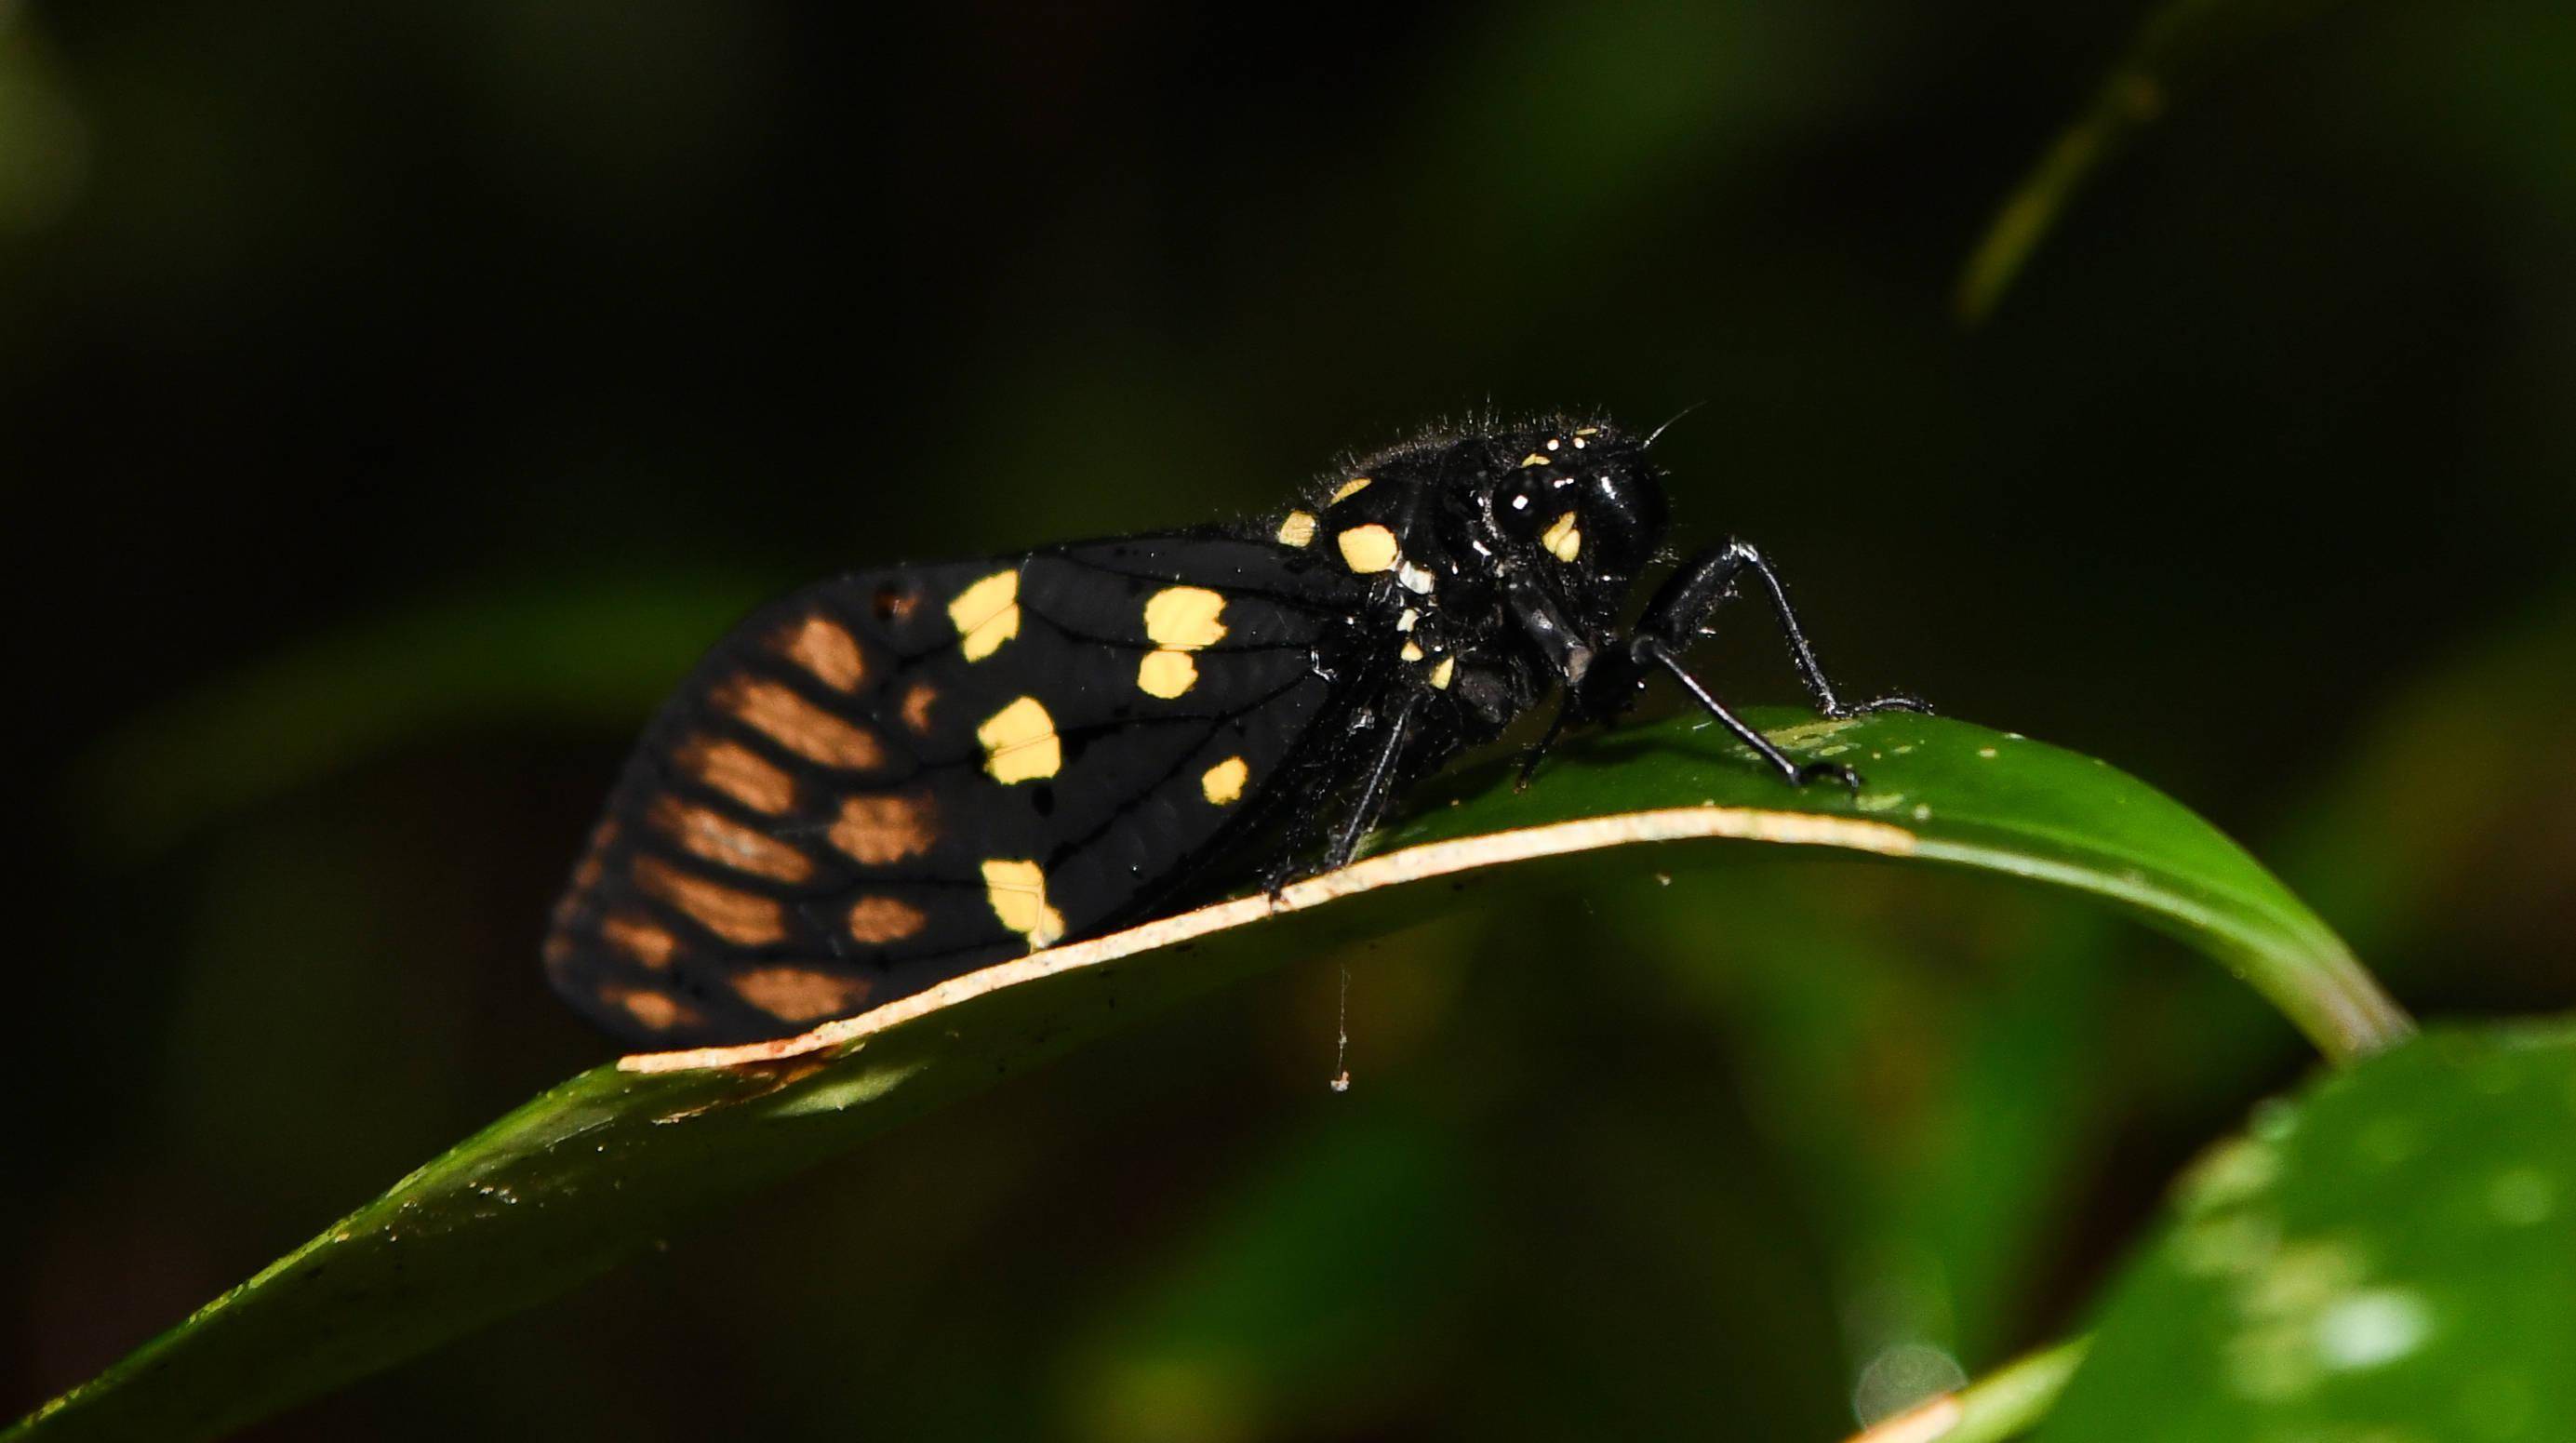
x=1653 y=651
x=1680 y=613
x=1376 y=792
x=1380 y=787
x=1569 y=658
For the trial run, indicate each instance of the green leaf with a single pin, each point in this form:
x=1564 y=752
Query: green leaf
x=2177 y=47
x=2392 y=1255
x=607 y=1162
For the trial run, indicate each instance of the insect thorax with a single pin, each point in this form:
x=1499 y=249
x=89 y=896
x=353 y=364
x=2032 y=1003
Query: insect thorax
x=1464 y=533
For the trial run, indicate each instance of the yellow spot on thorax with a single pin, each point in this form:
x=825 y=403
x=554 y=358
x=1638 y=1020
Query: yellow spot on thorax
x=1368 y=549
x=1020 y=742
x=1535 y=458
x=987 y=614
x=1017 y=892
x=1442 y=671
x=1563 y=539
x=1298 y=529
x=1350 y=488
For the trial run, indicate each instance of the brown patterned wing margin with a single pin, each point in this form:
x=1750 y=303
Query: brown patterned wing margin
x=896 y=776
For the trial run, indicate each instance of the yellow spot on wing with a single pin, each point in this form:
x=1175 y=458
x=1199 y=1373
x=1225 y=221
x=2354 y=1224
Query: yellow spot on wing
x=1298 y=529
x=822 y=647
x=1179 y=620
x=799 y=994
x=876 y=830
x=987 y=614
x=1350 y=488
x=883 y=919
x=1563 y=539
x=1223 y=783
x=1187 y=617
x=1017 y=892
x=1368 y=549
x=1020 y=743
x=797 y=724
x=1166 y=674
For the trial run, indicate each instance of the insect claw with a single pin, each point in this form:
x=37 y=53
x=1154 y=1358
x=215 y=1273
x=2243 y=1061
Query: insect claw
x=1818 y=771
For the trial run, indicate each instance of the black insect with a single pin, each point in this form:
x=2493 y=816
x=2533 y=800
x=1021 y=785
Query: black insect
x=902 y=774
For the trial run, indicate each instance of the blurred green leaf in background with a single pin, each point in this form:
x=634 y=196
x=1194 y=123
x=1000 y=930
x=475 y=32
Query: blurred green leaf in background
x=396 y=402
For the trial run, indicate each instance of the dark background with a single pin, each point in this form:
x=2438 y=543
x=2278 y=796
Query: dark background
x=394 y=398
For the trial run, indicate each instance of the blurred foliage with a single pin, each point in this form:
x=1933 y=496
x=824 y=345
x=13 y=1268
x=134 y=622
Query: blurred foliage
x=2174 y=51
x=587 y=1172
x=2389 y=1255
x=308 y=315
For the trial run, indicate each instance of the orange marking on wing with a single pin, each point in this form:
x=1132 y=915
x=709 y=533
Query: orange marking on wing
x=737 y=917
x=895 y=603
x=729 y=843
x=821 y=646
x=797 y=724
x=650 y=1010
x=799 y=994
x=876 y=830
x=587 y=874
x=645 y=942
x=738 y=772
x=883 y=919
x=917 y=700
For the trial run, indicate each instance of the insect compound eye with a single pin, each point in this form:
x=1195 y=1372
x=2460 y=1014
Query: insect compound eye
x=1622 y=515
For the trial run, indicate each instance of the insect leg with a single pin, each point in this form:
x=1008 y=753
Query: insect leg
x=1568 y=657
x=1653 y=650
x=1381 y=779
x=1681 y=610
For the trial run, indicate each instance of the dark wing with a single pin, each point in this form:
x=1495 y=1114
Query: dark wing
x=897 y=776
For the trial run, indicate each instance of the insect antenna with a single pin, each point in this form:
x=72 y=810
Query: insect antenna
x=1649 y=442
